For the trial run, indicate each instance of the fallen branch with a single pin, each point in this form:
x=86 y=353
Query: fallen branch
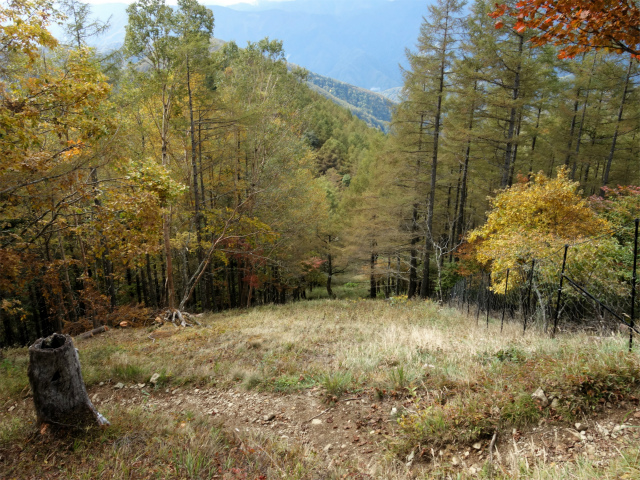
x=330 y=408
x=93 y=332
x=172 y=315
x=320 y=414
x=492 y=445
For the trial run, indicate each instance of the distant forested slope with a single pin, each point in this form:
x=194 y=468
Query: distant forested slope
x=369 y=106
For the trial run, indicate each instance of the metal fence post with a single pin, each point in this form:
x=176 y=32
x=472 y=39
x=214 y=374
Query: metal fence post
x=468 y=291
x=633 y=285
x=533 y=266
x=504 y=307
x=488 y=292
x=557 y=312
x=478 y=299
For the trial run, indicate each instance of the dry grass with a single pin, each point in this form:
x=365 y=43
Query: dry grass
x=421 y=349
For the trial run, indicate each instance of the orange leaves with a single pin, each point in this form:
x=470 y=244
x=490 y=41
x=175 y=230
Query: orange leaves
x=578 y=25
x=499 y=11
x=519 y=26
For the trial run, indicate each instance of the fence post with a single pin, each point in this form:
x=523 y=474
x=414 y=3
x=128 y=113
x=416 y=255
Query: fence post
x=468 y=291
x=478 y=299
x=633 y=285
x=533 y=266
x=488 y=292
x=557 y=312
x=504 y=307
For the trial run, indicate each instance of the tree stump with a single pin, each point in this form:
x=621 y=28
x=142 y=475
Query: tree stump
x=59 y=394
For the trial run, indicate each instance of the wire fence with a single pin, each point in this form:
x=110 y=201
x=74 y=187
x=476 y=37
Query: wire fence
x=589 y=285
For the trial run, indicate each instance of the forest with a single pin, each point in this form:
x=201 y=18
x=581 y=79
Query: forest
x=369 y=106
x=171 y=176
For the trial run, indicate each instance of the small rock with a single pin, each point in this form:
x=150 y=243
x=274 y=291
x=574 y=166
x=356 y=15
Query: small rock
x=555 y=403
x=271 y=416
x=118 y=386
x=477 y=445
x=196 y=391
x=617 y=429
x=344 y=445
x=540 y=397
x=575 y=434
x=410 y=458
x=141 y=385
x=581 y=427
x=316 y=421
x=154 y=378
x=12 y=408
x=327 y=448
x=455 y=461
x=101 y=384
x=394 y=412
x=591 y=449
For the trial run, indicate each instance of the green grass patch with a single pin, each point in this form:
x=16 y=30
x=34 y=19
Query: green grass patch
x=580 y=382
x=129 y=373
x=336 y=383
x=140 y=444
x=13 y=373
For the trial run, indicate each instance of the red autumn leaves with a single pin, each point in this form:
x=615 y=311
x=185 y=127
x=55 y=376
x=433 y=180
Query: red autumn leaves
x=577 y=25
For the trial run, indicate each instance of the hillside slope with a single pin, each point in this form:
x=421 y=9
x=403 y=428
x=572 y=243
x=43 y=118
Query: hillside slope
x=369 y=106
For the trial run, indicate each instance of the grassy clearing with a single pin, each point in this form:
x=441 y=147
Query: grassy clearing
x=140 y=444
x=464 y=381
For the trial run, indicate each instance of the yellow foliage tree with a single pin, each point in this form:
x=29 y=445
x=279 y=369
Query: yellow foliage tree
x=531 y=220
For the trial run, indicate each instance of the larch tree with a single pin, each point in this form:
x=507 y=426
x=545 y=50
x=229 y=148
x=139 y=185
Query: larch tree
x=420 y=118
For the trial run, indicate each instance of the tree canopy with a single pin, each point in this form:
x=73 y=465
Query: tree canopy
x=578 y=25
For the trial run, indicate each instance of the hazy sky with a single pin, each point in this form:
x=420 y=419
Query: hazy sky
x=203 y=2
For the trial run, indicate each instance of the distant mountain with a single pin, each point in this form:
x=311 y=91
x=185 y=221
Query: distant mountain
x=360 y=42
x=393 y=94
x=369 y=106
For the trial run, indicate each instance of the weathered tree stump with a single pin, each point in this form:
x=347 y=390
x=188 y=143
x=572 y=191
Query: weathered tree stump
x=59 y=394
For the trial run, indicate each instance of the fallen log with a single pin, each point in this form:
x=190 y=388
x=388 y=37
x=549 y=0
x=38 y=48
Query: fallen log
x=59 y=393
x=93 y=332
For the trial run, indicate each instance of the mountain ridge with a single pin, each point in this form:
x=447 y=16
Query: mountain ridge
x=360 y=42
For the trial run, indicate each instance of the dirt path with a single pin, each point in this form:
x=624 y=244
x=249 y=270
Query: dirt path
x=355 y=430
x=352 y=430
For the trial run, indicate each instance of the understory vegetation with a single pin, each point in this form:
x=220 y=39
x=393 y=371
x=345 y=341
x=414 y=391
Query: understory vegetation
x=180 y=172
x=461 y=382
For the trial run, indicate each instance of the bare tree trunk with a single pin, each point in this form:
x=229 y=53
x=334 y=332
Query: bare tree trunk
x=509 y=154
x=166 y=215
x=329 y=270
x=424 y=288
x=373 y=291
x=413 y=262
x=581 y=128
x=607 y=168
